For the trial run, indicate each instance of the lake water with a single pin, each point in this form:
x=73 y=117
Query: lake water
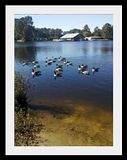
x=73 y=87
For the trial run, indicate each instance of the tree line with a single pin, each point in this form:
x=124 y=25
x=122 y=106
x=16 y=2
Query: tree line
x=25 y=31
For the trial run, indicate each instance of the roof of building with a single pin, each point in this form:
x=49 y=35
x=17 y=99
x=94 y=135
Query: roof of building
x=70 y=35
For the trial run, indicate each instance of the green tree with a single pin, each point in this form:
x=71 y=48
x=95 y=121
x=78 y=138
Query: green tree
x=97 y=32
x=47 y=33
x=58 y=33
x=20 y=92
x=107 y=31
x=18 y=29
x=24 y=29
x=86 y=31
x=27 y=125
x=75 y=30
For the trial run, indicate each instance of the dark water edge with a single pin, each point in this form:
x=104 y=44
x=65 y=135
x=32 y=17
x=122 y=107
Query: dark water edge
x=46 y=104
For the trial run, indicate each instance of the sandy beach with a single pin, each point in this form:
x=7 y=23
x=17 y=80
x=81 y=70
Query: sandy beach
x=74 y=125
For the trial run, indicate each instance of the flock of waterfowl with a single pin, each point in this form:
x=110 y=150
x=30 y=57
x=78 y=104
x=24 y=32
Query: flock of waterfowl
x=59 y=67
x=83 y=69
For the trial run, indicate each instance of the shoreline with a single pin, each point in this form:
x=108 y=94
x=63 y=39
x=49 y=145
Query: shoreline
x=62 y=41
x=74 y=126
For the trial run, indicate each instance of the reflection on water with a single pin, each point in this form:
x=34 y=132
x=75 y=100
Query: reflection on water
x=106 y=49
x=25 y=54
x=95 y=89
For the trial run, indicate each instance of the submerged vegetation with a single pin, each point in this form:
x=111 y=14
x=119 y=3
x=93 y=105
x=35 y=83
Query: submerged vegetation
x=50 y=125
x=27 y=126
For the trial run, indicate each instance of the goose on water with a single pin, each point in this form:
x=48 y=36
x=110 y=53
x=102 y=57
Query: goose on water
x=58 y=69
x=25 y=63
x=86 y=72
x=34 y=62
x=65 y=62
x=82 y=68
x=48 y=62
x=79 y=68
x=69 y=63
x=59 y=65
x=54 y=59
x=60 y=58
x=94 y=69
x=36 y=66
x=63 y=59
x=57 y=73
x=36 y=73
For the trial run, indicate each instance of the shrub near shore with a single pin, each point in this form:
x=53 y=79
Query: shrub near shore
x=27 y=126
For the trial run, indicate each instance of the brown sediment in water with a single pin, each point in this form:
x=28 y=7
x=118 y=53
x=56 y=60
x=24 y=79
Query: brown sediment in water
x=69 y=124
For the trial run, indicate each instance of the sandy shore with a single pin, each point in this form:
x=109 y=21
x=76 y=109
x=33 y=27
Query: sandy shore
x=74 y=125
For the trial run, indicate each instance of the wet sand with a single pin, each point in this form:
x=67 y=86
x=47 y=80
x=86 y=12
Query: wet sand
x=71 y=124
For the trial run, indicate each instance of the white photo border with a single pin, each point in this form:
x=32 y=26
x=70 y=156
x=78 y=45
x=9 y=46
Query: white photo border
x=116 y=11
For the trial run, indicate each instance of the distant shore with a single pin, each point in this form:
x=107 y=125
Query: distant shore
x=20 y=41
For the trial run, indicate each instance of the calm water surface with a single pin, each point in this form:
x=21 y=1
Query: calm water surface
x=72 y=87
